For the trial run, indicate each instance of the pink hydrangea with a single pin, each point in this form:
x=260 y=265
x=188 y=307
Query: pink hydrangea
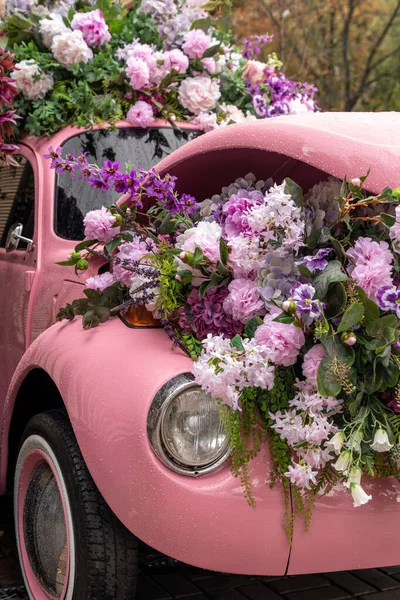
x=138 y=73
x=370 y=265
x=196 y=43
x=199 y=94
x=99 y=282
x=141 y=114
x=178 y=61
x=283 y=341
x=129 y=253
x=244 y=300
x=99 y=225
x=312 y=360
x=93 y=26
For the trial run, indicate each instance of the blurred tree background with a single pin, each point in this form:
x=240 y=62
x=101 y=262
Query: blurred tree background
x=350 y=49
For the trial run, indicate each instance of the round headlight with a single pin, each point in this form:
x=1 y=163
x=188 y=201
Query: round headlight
x=185 y=428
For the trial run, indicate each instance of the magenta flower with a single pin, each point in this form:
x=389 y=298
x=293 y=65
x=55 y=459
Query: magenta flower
x=235 y=211
x=141 y=114
x=54 y=155
x=388 y=298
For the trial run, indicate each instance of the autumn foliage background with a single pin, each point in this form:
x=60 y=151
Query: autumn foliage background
x=350 y=49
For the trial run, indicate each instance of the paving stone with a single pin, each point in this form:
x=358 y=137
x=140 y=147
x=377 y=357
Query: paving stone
x=299 y=582
x=353 y=585
x=377 y=579
x=258 y=591
x=388 y=595
x=391 y=570
x=176 y=584
x=230 y=594
x=149 y=590
x=222 y=582
x=325 y=593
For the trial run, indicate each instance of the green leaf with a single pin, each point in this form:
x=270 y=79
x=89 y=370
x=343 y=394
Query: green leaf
x=103 y=313
x=377 y=326
x=116 y=26
x=223 y=251
x=327 y=385
x=284 y=318
x=371 y=310
x=250 y=328
x=388 y=220
x=212 y=51
x=313 y=239
x=336 y=301
x=92 y=294
x=335 y=348
x=331 y=274
x=84 y=245
x=236 y=342
x=292 y=188
x=203 y=289
x=66 y=263
x=112 y=245
x=197 y=256
x=352 y=315
x=203 y=24
x=304 y=271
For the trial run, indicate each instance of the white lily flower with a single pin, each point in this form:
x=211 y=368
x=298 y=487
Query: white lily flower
x=359 y=495
x=381 y=441
x=336 y=442
x=353 y=477
x=343 y=461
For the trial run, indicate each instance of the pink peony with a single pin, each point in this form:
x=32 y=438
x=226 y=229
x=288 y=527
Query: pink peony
x=206 y=236
x=199 y=94
x=196 y=43
x=370 y=265
x=283 y=341
x=141 y=114
x=312 y=360
x=178 y=61
x=138 y=73
x=93 y=27
x=99 y=282
x=244 y=300
x=99 y=225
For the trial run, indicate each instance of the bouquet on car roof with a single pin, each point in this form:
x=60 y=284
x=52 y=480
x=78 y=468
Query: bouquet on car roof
x=82 y=63
x=289 y=306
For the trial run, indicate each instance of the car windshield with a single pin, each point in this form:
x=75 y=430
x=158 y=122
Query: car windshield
x=131 y=146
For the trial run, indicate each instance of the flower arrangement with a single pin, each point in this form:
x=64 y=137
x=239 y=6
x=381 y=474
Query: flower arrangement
x=8 y=117
x=288 y=305
x=81 y=63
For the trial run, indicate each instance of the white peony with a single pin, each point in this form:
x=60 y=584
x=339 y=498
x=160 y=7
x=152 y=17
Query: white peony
x=70 y=48
x=199 y=94
x=29 y=80
x=49 y=28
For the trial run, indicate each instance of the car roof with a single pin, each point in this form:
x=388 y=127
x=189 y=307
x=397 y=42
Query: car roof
x=306 y=147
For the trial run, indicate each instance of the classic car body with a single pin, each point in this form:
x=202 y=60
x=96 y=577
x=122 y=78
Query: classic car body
x=106 y=378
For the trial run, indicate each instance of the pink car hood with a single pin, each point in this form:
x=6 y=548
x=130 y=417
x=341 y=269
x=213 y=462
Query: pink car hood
x=303 y=147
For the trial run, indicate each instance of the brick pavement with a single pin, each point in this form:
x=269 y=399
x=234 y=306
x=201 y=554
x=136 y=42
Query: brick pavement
x=163 y=579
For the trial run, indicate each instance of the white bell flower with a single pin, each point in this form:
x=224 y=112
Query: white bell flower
x=359 y=495
x=343 y=461
x=381 y=441
x=336 y=442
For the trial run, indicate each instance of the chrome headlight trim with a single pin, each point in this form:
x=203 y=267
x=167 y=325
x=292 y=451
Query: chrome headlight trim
x=155 y=419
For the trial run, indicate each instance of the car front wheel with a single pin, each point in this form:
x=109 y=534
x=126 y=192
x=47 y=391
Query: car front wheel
x=71 y=546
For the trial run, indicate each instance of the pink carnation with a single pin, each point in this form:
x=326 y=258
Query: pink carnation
x=129 y=253
x=138 y=72
x=312 y=360
x=99 y=282
x=99 y=225
x=141 y=114
x=370 y=265
x=178 y=61
x=93 y=27
x=244 y=300
x=196 y=43
x=283 y=341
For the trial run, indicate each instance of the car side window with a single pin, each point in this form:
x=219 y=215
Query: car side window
x=17 y=199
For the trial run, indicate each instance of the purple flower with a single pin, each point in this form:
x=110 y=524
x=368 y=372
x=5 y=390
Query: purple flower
x=254 y=44
x=235 y=211
x=302 y=294
x=206 y=315
x=109 y=170
x=260 y=105
x=98 y=183
x=54 y=155
x=316 y=262
x=67 y=166
x=388 y=298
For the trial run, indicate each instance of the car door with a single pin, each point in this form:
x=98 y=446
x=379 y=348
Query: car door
x=18 y=185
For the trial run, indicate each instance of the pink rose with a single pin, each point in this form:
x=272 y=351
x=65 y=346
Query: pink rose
x=141 y=114
x=138 y=72
x=244 y=300
x=179 y=62
x=312 y=360
x=282 y=341
x=199 y=94
x=196 y=43
x=254 y=71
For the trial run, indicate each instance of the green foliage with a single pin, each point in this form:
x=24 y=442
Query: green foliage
x=172 y=291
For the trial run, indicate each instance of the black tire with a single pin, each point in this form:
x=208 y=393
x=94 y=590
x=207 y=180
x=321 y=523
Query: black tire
x=105 y=552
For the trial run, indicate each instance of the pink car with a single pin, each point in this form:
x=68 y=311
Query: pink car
x=97 y=462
